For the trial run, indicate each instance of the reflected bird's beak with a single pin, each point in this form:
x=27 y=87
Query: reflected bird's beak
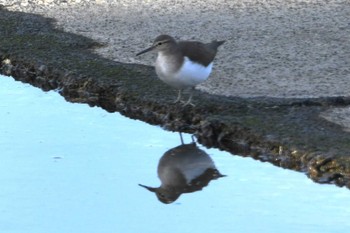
x=149 y=188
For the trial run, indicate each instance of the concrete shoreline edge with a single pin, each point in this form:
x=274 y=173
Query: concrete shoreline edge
x=286 y=132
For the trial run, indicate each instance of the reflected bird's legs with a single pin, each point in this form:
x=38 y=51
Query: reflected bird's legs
x=182 y=140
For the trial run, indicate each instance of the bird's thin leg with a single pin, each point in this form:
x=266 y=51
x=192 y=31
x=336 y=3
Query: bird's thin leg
x=178 y=97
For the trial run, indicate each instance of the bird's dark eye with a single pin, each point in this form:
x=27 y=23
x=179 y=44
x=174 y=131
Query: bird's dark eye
x=160 y=43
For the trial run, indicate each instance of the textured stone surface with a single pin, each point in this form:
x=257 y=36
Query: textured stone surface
x=276 y=48
x=289 y=49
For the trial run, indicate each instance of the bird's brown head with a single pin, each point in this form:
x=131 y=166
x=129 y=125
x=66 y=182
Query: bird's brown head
x=161 y=43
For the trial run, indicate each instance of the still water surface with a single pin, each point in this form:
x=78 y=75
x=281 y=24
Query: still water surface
x=71 y=168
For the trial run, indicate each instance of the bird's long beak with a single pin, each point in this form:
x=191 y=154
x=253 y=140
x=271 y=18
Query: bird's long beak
x=149 y=188
x=146 y=50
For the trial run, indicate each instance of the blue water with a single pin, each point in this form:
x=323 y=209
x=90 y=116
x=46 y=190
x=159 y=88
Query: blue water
x=71 y=168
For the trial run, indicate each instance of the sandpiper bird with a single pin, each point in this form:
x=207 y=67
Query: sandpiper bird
x=183 y=64
x=183 y=169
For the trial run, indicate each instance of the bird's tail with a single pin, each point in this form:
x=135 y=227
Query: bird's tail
x=220 y=42
x=215 y=44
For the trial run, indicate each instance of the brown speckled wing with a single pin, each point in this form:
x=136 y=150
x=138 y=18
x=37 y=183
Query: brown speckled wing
x=198 y=52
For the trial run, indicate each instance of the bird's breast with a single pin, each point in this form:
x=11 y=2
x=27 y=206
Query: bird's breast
x=182 y=75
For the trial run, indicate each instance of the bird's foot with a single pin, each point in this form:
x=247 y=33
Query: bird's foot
x=177 y=101
x=184 y=103
x=188 y=102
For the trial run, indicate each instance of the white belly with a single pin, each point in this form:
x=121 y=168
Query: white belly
x=190 y=74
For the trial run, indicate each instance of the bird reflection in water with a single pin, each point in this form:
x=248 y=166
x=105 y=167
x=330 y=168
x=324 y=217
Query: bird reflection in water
x=183 y=169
